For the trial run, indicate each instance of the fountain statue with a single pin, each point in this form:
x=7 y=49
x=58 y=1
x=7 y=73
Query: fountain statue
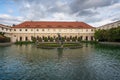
x=60 y=41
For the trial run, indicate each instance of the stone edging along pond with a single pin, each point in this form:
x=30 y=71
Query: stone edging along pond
x=5 y=44
x=56 y=45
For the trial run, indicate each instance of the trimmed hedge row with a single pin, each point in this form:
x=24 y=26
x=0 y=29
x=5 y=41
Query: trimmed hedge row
x=58 y=45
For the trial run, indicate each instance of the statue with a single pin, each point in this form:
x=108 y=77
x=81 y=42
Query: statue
x=60 y=41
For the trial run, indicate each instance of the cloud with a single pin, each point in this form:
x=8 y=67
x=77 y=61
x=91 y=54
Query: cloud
x=90 y=11
x=9 y=20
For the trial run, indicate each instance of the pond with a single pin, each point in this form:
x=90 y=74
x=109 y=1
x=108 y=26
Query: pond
x=91 y=62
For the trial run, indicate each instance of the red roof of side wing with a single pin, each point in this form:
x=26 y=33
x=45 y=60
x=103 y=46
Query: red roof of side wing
x=47 y=24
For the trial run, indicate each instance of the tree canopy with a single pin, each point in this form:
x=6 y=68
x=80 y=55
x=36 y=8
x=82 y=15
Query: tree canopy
x=112 y=35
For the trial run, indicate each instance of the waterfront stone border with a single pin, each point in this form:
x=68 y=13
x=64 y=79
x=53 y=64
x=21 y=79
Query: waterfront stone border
x=6 y=44
x=110 y=43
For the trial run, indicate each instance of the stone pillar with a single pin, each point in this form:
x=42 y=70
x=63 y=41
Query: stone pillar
x=89 y=38
x=83 y=38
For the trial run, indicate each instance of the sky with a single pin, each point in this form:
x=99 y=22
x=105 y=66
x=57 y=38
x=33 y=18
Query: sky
x=93 y=12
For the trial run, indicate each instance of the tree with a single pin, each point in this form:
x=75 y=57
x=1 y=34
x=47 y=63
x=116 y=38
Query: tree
x=112 y=34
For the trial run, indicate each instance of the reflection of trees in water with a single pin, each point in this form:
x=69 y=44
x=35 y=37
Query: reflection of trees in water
x=60 y=53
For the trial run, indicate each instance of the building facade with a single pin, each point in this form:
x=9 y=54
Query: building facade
x=110 y=25
x=5 y=29
x=26 y=30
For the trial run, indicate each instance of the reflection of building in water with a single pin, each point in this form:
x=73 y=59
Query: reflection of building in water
x=60 y=53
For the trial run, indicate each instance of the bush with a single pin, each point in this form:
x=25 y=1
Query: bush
x=112 y=34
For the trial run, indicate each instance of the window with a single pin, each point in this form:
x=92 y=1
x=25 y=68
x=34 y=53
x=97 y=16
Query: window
x=20 y=38
x=37 y=29
x=92 y=38
x=86 y=30
x=81 y=37
x=6 y=29
x=31 y=29
x=25 y=29
x=91 y=29
x=26 y=38
x=14 y=29
x=2 y=28
x=42 y=29
x=86 y=38
x=20 y=29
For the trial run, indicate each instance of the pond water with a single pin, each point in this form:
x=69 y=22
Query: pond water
x=92 y=62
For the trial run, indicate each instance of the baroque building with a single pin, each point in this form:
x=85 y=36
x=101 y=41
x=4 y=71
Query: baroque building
x=110 y=25
x=28 y=29
x=5 y=29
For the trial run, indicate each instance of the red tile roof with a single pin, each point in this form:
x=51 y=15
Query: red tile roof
x=48 y=24
x=5 y=26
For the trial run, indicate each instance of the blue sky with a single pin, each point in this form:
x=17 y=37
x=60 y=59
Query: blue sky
x=93 y=12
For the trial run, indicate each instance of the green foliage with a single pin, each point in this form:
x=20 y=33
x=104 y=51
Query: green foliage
x=51 y=39
x=79 y=39
x=63 y=39
x=39 y=39
x=52 y=45
x=2 y=33
x=34 y=39
x=46 y=39
x=112 y=34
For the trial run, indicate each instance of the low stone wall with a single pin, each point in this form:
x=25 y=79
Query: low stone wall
x=5 y=44
x=110 y=43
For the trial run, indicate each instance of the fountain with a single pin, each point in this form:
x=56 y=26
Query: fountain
x=59 y=44
x=60 y=41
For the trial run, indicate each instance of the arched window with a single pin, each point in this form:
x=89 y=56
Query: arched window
x=20 y=38
x=92 y=38
x=37 y=29
x=25 y=29
x=86 y=38
x=26 y=38
x=81 y=37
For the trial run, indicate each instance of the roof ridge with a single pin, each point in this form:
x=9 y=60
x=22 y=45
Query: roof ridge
x=53 y=24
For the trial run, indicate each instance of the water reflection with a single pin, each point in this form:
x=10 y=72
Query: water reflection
x=60 y=53
x=87 y=63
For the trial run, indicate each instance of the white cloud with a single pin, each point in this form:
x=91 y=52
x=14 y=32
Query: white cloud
x=9 y=20
x=95 y=12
